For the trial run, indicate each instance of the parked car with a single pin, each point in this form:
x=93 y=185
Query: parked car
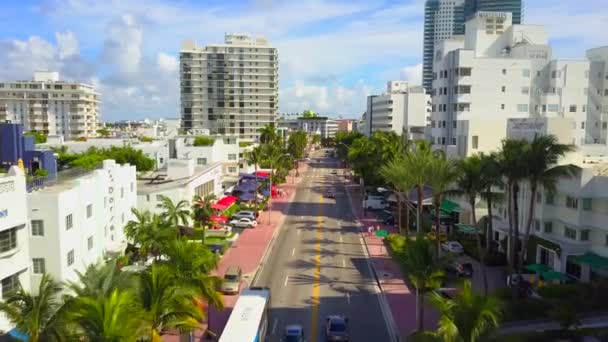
x=293 y=333
x=244 y=222
x=231 y=283
x=372 y=202
x=452 y=247
x=461 y=269
x=245 y=214
x=329 y=194
x=336 y=328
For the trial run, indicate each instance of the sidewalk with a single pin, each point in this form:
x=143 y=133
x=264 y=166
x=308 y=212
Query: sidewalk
x=399 y=294
x=596 y=321
x=248 y=251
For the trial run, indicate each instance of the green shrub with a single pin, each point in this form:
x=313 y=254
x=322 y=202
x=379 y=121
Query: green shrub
x=203 y=141
x=245 y=143
x=559 y=291
x=41 y=173
x=145 y=139
x=39 y=138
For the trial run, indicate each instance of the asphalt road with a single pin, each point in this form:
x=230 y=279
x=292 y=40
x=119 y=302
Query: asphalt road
x=318 y=266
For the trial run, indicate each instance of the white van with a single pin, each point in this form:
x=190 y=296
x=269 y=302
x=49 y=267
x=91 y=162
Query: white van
x=372 y=202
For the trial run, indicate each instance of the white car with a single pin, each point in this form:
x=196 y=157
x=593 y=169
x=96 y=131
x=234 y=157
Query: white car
x=244 y=222
x=453 y=247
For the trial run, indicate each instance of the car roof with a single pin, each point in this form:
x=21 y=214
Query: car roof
x=293 y=328
x=234 y=269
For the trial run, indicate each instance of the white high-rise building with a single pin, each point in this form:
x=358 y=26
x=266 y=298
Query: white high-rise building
x=14 y=234
x=229 y=88
x=499 y=71
x=317 y=125
x=402 y=107
x=597 y=105
x=51 y=106
x=78 y=220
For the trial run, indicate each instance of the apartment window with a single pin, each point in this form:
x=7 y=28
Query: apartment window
x=433 y=124
x=68 y=222
x=232 y=169
x=539 y=197
x=39 y=267
x=122 y=192
x=587 y=204
x=231 y=156
x=122 y=218
x=526 y=72
x=585 y=235
x=475 y=141
x=525 y=90
x=604 y=125
x=37 y=228
x=201 y=161
x=503 y=89
x=90 y=242
x=454 y=124
x=504 y=71
x=584 y=108
x=159 y=198
x=548 y=228
x=606 y=240
x=571 y=202
x=147 y=198
x=89 y=210
x=10 y=284
x=522 y=108
x=8 y=240
x=572 y=108
x=570 y=233
x=537 y=225
x=70 y=257
x=549 y=198
x=502 y=106
x=553 y=108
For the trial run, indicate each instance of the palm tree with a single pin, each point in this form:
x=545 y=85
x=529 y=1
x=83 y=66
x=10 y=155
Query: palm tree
x=168 y=303
x=150 y=232
x=37 y=316
x=201 y=212
x=115 y=318
x=490 y=170
x=417 y=165
x=442 y=174
x=541 y=160
x=395 y=173
x=175 y=213
x=273 y=155
x=255 y=157
x=269 y=135
x=468 y=317
x=99 y=279
x=424 y=271
x=470 y=184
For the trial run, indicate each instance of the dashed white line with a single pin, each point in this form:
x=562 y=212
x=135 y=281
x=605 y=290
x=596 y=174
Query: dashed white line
x=347 y=297
x=293 y=251
x=286 y=279
x=274 y=326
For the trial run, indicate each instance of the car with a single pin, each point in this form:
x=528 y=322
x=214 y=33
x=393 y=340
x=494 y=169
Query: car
x=329 y=194
x=452 y=247
x=244 y=222
x=461 y=269
x=231 y=284
x=336 y=328
x=334 y=172
x=245 y=214
x=293 y=333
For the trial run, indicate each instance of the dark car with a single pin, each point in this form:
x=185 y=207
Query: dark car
x=461 y=269
x=329 y=194
x=336 y=328
x=293 y=333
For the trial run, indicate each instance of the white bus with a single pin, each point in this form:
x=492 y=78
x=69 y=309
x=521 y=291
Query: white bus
x=248 y=321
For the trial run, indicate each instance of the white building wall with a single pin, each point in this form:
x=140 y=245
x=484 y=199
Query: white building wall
x=224 y=150
x=14 y=262
x=597 y=105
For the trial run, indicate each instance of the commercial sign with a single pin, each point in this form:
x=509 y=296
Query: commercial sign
x=501 y=15
x=3 y=213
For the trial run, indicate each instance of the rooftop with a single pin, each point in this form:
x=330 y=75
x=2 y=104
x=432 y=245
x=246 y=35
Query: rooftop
x=158 y=180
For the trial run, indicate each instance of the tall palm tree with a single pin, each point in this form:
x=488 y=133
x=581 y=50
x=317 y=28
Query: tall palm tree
x=274 y=156
x=418 y=161
x=395 y=173
x=424 y=271
x=201 y=212
x=99 y=279
x=470 y=185
x=492 y=177
x=441 y=175
x=37 y=316
x=269 y=135
x=150 y=232
x=255 y=157
x=468 y=317
x=175 y=214
x=542 y=171
x=115 y=318
x=168 y=304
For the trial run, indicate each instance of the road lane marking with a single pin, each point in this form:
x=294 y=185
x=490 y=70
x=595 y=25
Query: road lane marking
x=286 y=280
x=341 y=241
x=347 y=297
x=293 y=251
x=297 y=232
x=343 y=263
x=317 y=276
x=274 y=327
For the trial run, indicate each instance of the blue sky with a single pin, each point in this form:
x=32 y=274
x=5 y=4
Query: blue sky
x=332 y=52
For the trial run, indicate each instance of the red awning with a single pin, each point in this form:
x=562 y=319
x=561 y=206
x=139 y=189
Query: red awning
x=219 y=219
x=224 y=203
x=262 y=174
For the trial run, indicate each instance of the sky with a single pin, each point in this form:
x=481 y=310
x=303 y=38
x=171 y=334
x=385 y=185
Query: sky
x=332 y=53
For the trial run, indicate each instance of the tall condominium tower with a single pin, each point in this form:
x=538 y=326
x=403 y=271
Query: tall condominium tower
x=229 y=88
x=445 y=18
x=50 y=106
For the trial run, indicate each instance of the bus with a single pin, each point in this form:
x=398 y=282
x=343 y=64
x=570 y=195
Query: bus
x=248 y=321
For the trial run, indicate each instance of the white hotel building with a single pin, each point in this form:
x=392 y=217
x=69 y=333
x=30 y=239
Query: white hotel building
x=51 y=106
x=498 y=71
x=15 y=259
x=80 y=219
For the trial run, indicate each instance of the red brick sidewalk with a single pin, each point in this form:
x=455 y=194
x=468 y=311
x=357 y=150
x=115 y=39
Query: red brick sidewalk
x=248 y=251
x=399 y=294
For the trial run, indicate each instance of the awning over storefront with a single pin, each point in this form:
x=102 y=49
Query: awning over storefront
x=539 y=268
x=224 y=203
x=466 y=228
x=593 y=260
x=218 y=219
x=448 y=206
x=554 y=275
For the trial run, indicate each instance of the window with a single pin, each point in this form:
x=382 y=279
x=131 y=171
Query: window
x=122 y=218
x=454 y=124
x=549 y=198
x=584 y=235
x=571 y=202
x=475 y=141
x=553 y=108
x=539 y=197
x=89 y=210
x=201 y=161
x=582 y=124
x=548 y=227
x=537 y=225
x=68 y=222
x=38 y=264
x=587 y=204
x=504 y=71
x=502 y=106
x=584 y=108
x=503 y=89
x=90 y=243
x=9 y=284
x=132 y=186
x=570 y=233
x=70 y=257
x=522 y=108
x=159 y=198
x=231 y=156
x=37 y=228
x=8 y=240
x=122 y=192
x=572 y=109
x=525 y=90
x=232 y=169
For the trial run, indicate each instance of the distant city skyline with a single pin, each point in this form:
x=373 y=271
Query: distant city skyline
x=331 y=58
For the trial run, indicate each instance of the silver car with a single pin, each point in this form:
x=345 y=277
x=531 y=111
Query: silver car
x=231 y=283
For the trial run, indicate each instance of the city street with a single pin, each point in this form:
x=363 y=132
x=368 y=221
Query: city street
x=318 y=265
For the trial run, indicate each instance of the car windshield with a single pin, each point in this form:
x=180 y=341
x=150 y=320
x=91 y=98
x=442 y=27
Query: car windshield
x=337 y=326
x=230 y=277
x=292 y=338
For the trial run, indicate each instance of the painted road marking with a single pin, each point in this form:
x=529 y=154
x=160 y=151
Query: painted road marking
x=343 y=263
x=297 y=232
x=317 y=276
x=341 y=241
x=274 y=326
x=293 y=251
x=347 y=297
x=286 y=280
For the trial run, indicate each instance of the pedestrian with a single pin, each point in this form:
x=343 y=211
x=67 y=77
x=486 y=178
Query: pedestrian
x=370 y=230
x=377 y=228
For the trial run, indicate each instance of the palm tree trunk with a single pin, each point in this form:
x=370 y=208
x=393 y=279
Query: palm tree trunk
x=437 y=223
x=516 y=221
x=481 y=251
x=398 y=196
x=407 y=217
x=420 y=310
x=489 y=227
x=524 y=246
x=510 y=231
x=418 y=208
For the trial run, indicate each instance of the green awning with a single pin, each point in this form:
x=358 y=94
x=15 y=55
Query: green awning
x=593 y=260
x=554 y=275
x=382 y=233
x=539 y=268
x=466 y=228
x=448 y=206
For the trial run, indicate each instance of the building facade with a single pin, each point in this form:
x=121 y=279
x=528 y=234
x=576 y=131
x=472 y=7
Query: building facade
x=80 y=219
x=346 y=125
x=512 y=6
x=597 y=103
x=229 y=88
x=15 y=262
x=51 y=106
x=317 y=125
x=14 y=146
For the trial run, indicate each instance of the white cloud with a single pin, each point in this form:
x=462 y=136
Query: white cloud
x=412 y=73
x=67 y=44
x=167 y=63
x=123 y=43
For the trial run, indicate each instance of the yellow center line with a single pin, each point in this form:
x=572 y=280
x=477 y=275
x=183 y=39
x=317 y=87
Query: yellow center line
x=317 y=276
